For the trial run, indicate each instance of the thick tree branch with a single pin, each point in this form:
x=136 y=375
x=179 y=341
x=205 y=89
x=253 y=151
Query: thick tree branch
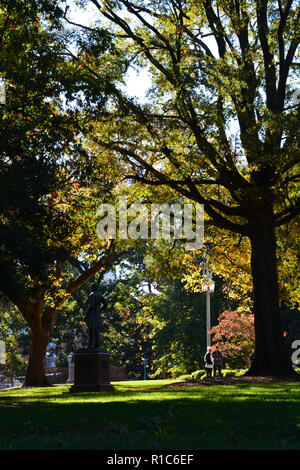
x=102 y=264
x=193 y=194
x=288 y=214
x=285 y=62
x=269 y=63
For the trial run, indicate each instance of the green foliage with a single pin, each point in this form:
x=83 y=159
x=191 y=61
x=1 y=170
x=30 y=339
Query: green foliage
x=228 y=373
x=201 y=374
x=129 y=332
x=13 y=329
x=233 y=372
x=15 y=366
x=177 y=371
x=62 y=360
x=198 y=374
x=36 y=136
x=50 y=186
x=180 y=341
x=184 y=377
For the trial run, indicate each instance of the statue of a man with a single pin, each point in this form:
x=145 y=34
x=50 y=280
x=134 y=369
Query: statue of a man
x=93 y=318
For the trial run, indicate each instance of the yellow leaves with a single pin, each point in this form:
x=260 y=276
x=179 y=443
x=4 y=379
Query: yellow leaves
x=288 y=262
x=230 y=260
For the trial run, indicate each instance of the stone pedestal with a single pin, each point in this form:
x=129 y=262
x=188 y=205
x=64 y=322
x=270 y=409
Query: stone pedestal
x=92 y=372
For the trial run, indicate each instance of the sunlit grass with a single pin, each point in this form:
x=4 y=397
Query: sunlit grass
x=151 y=415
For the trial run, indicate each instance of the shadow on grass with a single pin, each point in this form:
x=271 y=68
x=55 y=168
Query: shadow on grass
x=260 y=417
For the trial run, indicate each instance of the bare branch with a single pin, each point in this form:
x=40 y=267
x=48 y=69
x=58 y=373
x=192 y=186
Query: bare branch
x=270 y=72
x=102 y=264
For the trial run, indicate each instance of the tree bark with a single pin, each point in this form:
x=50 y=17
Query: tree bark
x=35 y=374
x=271 y=356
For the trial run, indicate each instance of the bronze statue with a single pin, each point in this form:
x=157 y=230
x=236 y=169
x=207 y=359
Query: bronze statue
x=93 y=318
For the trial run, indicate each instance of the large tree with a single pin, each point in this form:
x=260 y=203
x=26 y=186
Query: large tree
x=49 y=187
x=220 y=125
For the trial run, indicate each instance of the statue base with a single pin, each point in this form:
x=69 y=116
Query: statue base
x=92 y=371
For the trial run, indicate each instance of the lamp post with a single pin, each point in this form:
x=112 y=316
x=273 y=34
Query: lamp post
x=2 y=353
x=145 y=362
x=208 y=286
x=70 y=369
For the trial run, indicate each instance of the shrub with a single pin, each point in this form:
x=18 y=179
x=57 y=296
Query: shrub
x=185 y=377
x=235 y=337
x=228 y=373
x=177 y=371
x=233 y=372
x=201 y=374
x=197 y=374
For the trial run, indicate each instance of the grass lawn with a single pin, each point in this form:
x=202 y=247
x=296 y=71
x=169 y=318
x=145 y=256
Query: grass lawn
x=150 y=415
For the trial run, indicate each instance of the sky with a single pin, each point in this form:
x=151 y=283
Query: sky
x=137 y=83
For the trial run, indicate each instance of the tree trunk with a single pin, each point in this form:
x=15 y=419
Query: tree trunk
x=271 y=357
x=35 y=375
